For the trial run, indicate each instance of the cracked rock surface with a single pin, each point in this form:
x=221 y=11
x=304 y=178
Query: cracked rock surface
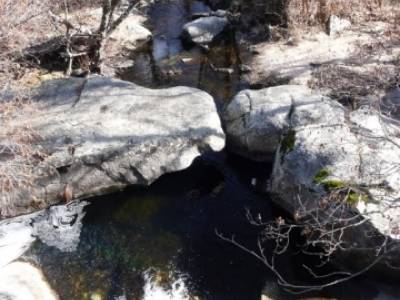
x=100 y=135
x=256 y=119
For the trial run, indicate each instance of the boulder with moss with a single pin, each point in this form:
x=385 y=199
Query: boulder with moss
x=322 y=152
x=356 y=159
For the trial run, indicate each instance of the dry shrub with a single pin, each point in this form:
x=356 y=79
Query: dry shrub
x=19 y=149
x=317 y=12
x=374 y=68
x=26 y=23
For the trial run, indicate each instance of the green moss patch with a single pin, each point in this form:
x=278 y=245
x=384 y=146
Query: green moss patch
x=288 y=141
x=354 y=197
x=334 y=184
x=322 y=175
x=354 y=194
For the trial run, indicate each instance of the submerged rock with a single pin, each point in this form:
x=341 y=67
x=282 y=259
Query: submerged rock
x=204 y=30
x=22 y=281
x=60 y=226
x=101 y=135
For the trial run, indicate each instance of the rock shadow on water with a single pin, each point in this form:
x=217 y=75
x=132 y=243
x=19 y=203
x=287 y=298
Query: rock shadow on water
x=164 y=234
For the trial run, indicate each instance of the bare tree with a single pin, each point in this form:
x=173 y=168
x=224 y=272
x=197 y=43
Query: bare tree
x=114 y=12
x=324 y=229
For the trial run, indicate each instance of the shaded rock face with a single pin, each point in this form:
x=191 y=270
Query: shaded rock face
x=204 y=30
x=358 y=156
x=360 y=151
x=101 y=135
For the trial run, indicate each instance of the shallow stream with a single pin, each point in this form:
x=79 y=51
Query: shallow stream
x=159 y=242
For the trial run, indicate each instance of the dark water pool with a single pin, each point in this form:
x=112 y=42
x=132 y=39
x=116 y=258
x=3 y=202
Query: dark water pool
x=167 y=233
x=160 y=243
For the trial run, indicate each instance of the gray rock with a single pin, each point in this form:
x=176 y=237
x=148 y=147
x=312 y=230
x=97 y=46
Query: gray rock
x=101 y=135
x=390 y=103
x=255 y=120
x=360 y=152
x=319 y=148
x=204 y=30
x=59 y=226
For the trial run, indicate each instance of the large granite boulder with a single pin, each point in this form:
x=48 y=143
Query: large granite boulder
x=348 y=172
x=99 y=135
x=359 y=151
x=256 y=120
x=342 y=164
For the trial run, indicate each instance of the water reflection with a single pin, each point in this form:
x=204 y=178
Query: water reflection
x=167 y=62
x=160 y=241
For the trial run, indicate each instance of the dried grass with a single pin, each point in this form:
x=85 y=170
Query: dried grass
x=374 y=70
x=19 y=149
x=317 y=12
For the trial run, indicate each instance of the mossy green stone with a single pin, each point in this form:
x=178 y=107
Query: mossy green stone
x=322 y=175
x=288 y=141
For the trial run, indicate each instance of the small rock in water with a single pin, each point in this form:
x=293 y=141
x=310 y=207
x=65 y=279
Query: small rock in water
x=204 y=30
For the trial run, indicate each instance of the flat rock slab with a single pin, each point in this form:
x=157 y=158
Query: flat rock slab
x=100 y=135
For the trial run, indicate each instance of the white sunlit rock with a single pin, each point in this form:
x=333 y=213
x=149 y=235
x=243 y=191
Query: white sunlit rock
x=22 y=281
